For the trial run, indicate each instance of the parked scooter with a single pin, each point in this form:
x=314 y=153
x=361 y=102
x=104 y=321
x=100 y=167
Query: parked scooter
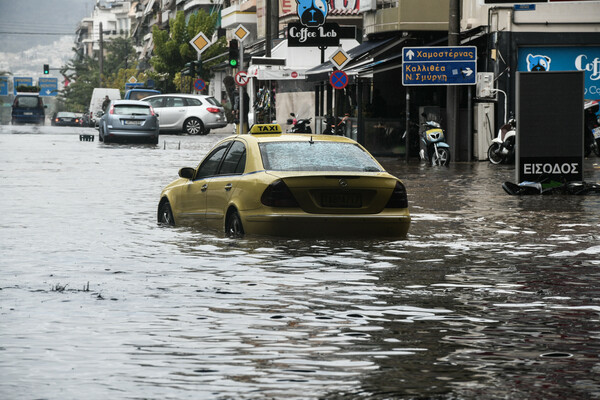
x=433 y=144
x=299 y=125
x=591 y=127
x=502 y=149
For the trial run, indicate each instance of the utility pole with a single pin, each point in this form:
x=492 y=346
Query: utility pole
x=452 y=92
x=101 y=55
x=243 y=117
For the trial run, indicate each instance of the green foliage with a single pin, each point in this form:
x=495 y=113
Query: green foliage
x=84 y=74
x=120 y=55
x=28 y=89
x=172 y=50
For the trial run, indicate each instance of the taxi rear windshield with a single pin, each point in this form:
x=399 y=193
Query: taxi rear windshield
x=316 y=156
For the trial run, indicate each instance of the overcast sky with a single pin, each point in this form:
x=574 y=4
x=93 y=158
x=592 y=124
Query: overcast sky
x=38 y=32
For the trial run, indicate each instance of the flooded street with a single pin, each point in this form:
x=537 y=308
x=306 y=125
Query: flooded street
x=490 y=297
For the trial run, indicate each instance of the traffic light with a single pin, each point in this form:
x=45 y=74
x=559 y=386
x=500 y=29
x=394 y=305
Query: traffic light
x=189 y=69
x=46 y=69
x=234 y=53
x=193 y=68
x=198 y=69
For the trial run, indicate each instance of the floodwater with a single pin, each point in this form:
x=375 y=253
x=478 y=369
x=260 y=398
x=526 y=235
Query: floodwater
x=490 y=297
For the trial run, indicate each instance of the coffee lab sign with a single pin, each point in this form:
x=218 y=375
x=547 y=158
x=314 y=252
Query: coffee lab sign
x=304 y=36
x=312 y=30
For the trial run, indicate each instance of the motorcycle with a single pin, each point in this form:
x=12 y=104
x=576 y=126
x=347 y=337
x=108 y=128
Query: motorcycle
x=591 y=127
x=331 y=128
x=433 y=144
x=502 y=149
x=299 y=125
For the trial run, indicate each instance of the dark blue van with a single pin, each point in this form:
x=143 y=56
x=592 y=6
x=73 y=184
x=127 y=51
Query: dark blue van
x=28 y=108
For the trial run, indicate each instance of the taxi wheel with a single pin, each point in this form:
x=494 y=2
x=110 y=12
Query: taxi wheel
x=193 y=126
x=165 y=214
x=233 y=224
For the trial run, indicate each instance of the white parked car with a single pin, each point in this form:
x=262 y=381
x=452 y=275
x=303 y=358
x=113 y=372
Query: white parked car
x=189 y=113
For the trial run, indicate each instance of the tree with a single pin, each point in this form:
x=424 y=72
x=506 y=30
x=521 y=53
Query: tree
x=83 y=73
x=172 y=49
x=120 y=55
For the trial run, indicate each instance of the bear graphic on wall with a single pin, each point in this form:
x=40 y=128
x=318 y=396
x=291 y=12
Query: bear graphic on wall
x=538 y=63
x=312 y=13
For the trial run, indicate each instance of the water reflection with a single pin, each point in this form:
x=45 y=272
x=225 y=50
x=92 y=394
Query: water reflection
x=491 y=296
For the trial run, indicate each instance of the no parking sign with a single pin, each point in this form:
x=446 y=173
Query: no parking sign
x=199 y=84
x=338 y=79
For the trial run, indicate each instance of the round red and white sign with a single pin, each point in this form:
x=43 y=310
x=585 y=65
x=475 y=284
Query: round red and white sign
x=241 y=78
x=294 y=74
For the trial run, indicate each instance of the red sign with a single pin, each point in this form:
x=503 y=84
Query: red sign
x=338 y=79
x=294 y=74
x=241 y=78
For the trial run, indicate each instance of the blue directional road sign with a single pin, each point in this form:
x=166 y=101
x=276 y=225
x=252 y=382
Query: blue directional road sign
x=21 y=81
x=134 y=85
x=48 y=86
x=446 y=65
x=3 y=85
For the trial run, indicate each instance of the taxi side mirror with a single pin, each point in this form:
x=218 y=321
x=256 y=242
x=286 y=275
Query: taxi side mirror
x=187 y=173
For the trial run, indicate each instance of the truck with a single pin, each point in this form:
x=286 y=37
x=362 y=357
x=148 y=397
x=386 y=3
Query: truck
x=98 y=96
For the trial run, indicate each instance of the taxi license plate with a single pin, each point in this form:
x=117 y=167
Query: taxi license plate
x=132 y=122
x=341 y=200
x=596 y=132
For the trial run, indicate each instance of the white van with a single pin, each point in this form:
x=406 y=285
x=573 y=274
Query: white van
x=98 y=96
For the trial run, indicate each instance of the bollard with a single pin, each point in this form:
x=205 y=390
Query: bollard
x=165 y=145
x=86 y=138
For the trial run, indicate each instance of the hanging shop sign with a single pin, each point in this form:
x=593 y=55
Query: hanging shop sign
x=303 y=36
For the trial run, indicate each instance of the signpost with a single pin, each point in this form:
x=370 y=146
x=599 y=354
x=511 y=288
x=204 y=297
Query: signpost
x=340 y=58
x=134 y=85
x=21 y=81
x=48 y=86
x=338 y=79
x=3 y=85
x=199 y=85
x=241 y=78
x=241 y=33
x=200 y=42
x=446 y=65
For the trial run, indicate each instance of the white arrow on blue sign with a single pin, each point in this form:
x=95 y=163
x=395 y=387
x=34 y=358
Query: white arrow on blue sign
x=446 y=65
x=48 y=86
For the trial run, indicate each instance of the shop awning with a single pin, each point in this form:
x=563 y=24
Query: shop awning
x=273 y=72
x=299 y=60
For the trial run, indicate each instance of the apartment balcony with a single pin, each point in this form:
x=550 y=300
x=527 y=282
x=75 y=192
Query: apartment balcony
x=237 y=14
x=193 y=5
x=408 y=15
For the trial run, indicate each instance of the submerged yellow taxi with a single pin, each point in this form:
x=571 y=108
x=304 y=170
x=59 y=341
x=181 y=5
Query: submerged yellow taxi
x=293 y=185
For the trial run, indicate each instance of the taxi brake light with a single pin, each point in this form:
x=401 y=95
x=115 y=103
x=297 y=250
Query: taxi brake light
x=398 y=199
x=277 y=194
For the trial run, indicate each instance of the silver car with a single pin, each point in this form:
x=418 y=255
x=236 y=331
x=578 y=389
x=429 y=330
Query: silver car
x=189 y=113
x=128 y=120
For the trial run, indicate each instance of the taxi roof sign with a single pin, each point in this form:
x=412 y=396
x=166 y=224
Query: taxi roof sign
x=265 y=129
